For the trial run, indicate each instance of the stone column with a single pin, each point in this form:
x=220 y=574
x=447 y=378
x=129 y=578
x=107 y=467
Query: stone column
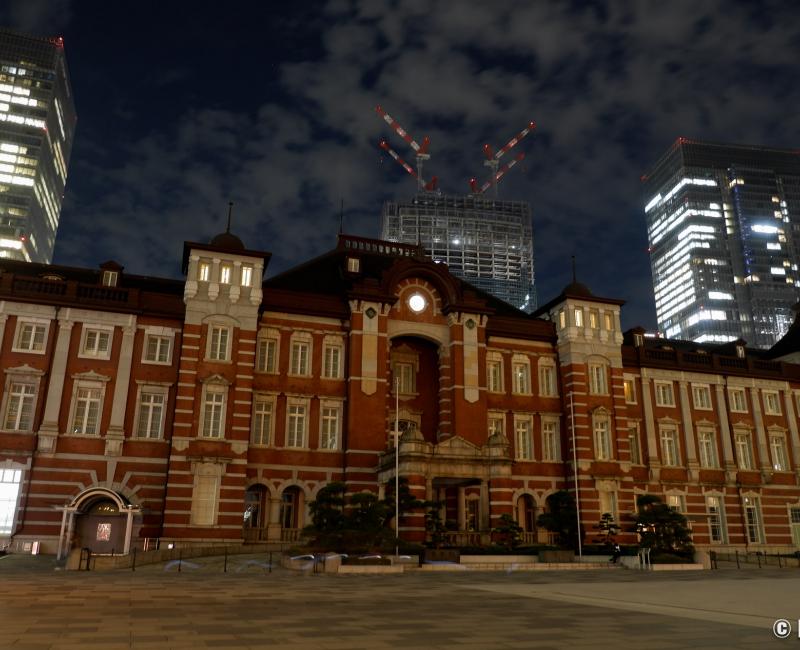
x=650 y=430
x=116 y=425
x=128 y=530
x=793 y=433
x=48 y=431
x=728 y=461
x=688 y=426
x=761 y=435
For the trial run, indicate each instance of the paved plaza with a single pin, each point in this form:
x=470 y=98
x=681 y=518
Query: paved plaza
x=248 y=607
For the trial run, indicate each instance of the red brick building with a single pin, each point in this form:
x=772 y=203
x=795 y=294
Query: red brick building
x=215 y=408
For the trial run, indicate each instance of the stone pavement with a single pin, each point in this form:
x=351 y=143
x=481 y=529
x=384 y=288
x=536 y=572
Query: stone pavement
x=201 y=607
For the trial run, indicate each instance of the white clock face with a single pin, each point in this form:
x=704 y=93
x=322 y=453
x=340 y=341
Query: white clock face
x=417 y=302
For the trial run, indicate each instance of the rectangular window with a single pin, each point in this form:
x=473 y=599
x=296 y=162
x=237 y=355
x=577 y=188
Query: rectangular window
x=156 y=348
x=299 y=358
x=594 y=319
x=496 y=425
x=247 y=276
x=550 y=441
x=752 y=519
x=19 y=407
x=405 y=375
x=744 y=451
x=10 y=481
x=332 y=366
x=629 y=387
x=708 y=448
x=218 y=346
x=635 y=446
x=676 y=502
x=522 y=378
x=772 y=405
x=602 y=439
x=524 y=440
x=204 y=500
x=296 y=426
x=578 y=317
x=494 y=376
x=213 y=412
x=30 y=337
x=87 y=411
x=267 y=355
x=547 y=381
x=608 y=503
x=262 y=421
x=110 y=278
x=702 y=397
x=664 y=394
x=780 y=459
x=204 y=271
x=225 y=272
x=151 y=415
x=717 y=530
x=609 y=321
x=96 y=343
x=329 y=433
x=669 y=446
x=562 y=319
x=737 y=400
x=598 y=383
x=353 y=265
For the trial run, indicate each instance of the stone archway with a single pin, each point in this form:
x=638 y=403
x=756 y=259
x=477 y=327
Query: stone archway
x=99 y=519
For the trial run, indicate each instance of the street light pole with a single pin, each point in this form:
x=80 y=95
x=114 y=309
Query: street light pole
x=397 y=466
x=575 y=473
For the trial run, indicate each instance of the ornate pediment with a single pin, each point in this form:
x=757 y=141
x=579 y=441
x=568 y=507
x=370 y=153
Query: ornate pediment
x=457 y=446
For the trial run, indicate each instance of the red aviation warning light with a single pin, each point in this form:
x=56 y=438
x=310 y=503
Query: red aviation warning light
x=420 y=151
x=493 y=161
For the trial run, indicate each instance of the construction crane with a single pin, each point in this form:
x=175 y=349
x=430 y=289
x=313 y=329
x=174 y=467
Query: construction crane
x=420 y=151
x=493 y=161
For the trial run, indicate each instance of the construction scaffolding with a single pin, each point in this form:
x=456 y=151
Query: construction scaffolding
x=487 y=242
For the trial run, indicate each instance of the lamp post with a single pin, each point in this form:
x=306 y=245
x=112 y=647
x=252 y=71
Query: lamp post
x=397 y=467
x=575 y=473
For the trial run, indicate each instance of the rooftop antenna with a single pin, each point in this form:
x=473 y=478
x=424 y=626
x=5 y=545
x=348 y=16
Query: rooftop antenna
x=341 y=215
x=493 y=161
x=574 y=275
x=230 y=211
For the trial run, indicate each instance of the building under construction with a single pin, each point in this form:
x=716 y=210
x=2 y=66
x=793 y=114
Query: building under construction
x=487 y=242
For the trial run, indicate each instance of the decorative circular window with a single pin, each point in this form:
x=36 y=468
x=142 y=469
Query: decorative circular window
x=417 y=302
x=370 y=312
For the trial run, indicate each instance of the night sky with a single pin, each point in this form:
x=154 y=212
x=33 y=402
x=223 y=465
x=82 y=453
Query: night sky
x=183 y=106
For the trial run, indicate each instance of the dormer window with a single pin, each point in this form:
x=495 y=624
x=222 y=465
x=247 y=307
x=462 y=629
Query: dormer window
x=638 y=340
x=110 y=278
x=225 y=272
x=204 y=272
x=353 y=265
x=740 y=351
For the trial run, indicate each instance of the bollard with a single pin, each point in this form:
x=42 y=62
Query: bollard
x=758 y=557
x=225 y=566
x=133 y=561
x=269 y=564
x=180 y=559
x=737 y=559
x=779 y=561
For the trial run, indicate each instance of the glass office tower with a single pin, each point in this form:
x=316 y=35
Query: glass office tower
x=37 y=124
x=723 y=223
x=488 y=243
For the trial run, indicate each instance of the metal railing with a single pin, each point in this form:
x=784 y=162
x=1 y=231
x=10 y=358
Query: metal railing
x=756 y=559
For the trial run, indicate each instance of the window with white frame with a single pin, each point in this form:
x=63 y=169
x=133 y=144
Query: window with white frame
x=524 y=439
x=214 y=401
x=330 y=426
x=752 y=520
x=296 y=424
x=669 y=445
x=664 y=394
x=150 y=422
x=225 y=273
x=219 y=342
x=629 y=389
x=635 y=444
x=20 y=402
x=10 y=481
x=110 y=278
x=88 y=399
x=609 y=321
x=602 y=436
x=707 y=445
x=777 y=446
x=744 y=449
x=267 y=352
x=263 y=410
x=496 y=424
x=300 y=355
x=772 y=404
x=404 y=377
x=247 y=275
x=717 y=526
x=204 y=271
x=494 y=372
x=738 y=400
x=521 y=375
x=578 y=316
x=30 y=337
x=562 y=319
x=551 y=448
x=157 y=348
x=608 y=502
x=701 y=396
x=96 y=342
x=598 y=379
x=547 y=378
x=594 y=319
x=676 y=502
x=205 y=494
x=332 y=356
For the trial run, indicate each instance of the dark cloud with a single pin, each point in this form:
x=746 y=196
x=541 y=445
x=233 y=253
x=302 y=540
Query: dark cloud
x=41 y=17
x=610 y=85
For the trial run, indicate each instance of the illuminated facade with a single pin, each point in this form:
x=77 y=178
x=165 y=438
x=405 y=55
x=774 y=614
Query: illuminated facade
x=37 y=125
x=136 y=410
x=487 y=242
x=723 y=224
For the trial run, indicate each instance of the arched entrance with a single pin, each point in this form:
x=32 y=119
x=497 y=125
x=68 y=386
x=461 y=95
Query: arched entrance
x=291 y=516
x=256 y=514
x=98 y=519
x=526 y=517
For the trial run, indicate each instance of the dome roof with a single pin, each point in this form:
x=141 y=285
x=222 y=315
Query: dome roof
x=229 y=241
x=577 y=289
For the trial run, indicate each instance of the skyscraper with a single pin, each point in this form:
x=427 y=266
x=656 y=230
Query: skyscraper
x=37 y=124
x=723 y=225
x=485 y=241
